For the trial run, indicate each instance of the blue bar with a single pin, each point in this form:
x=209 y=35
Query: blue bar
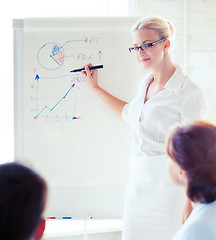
x=66 y=217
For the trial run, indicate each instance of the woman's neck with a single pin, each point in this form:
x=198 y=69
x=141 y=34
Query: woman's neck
x=164 y=71
x=194 y=204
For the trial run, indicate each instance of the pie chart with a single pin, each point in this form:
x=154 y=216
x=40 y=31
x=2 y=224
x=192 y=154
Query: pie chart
x=51 y=56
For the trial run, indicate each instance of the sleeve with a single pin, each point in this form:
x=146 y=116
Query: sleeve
x=125 y=112
x=194 y=104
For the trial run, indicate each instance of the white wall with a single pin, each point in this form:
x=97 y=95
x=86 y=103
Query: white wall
x=202 y=48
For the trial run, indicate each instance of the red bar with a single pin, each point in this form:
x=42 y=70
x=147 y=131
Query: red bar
x=51 y=217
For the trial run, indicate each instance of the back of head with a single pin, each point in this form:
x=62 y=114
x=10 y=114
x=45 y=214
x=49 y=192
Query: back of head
x=162 y=26
x=22 y=201
x=192 y=146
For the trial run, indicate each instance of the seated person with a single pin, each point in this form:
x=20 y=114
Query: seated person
x=192 y=149
x=22 y=201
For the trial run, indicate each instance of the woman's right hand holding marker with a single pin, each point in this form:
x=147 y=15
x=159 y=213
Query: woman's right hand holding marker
x=91 y=76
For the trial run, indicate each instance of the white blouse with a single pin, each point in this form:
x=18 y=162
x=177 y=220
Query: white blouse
x=179 y=100
x=200 y=225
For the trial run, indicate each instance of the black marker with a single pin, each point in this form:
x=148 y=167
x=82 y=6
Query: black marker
x=83 y=69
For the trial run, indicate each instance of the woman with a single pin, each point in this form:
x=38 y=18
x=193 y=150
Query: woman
x=192 y=149
x=165 y=96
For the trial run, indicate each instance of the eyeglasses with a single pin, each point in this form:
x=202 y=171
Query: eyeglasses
x=144 y=47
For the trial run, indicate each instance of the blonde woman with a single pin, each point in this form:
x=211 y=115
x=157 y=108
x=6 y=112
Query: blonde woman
x=153 y=206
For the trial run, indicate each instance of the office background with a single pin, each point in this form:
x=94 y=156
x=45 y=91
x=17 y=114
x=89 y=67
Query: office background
x=195 y=47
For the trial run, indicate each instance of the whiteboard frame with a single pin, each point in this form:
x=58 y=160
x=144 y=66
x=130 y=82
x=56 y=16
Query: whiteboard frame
x=18 y=56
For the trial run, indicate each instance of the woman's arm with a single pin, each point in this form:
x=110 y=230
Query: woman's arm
x=114 y=103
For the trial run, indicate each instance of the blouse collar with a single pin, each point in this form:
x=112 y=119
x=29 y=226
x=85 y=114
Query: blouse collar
x=175 y=83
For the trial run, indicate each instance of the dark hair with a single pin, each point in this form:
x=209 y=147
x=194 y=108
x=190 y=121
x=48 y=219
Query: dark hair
x=192 y=146
x=22 y=201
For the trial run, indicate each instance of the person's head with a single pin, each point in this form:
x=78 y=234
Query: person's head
x=192 y=149
x=149 y=30
x=22 y=202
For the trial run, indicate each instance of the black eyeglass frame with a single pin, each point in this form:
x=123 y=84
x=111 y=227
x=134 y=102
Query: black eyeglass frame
x=146 y=45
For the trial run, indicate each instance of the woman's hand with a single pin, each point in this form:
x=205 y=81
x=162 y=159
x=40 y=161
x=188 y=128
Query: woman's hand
x=188 y=208
x=91 y=76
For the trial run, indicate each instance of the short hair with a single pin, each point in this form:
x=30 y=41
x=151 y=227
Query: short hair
x=22 y=201
x=192 y=145
x=162 y=26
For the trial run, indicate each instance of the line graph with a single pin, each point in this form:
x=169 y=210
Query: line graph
x=45 y=109
x=51 y=109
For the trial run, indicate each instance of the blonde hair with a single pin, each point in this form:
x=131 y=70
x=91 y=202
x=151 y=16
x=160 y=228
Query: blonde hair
x=162 y=26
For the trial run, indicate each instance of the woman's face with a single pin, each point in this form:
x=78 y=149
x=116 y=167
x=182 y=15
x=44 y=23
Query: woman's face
x=152 y=56
x=177 y=175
